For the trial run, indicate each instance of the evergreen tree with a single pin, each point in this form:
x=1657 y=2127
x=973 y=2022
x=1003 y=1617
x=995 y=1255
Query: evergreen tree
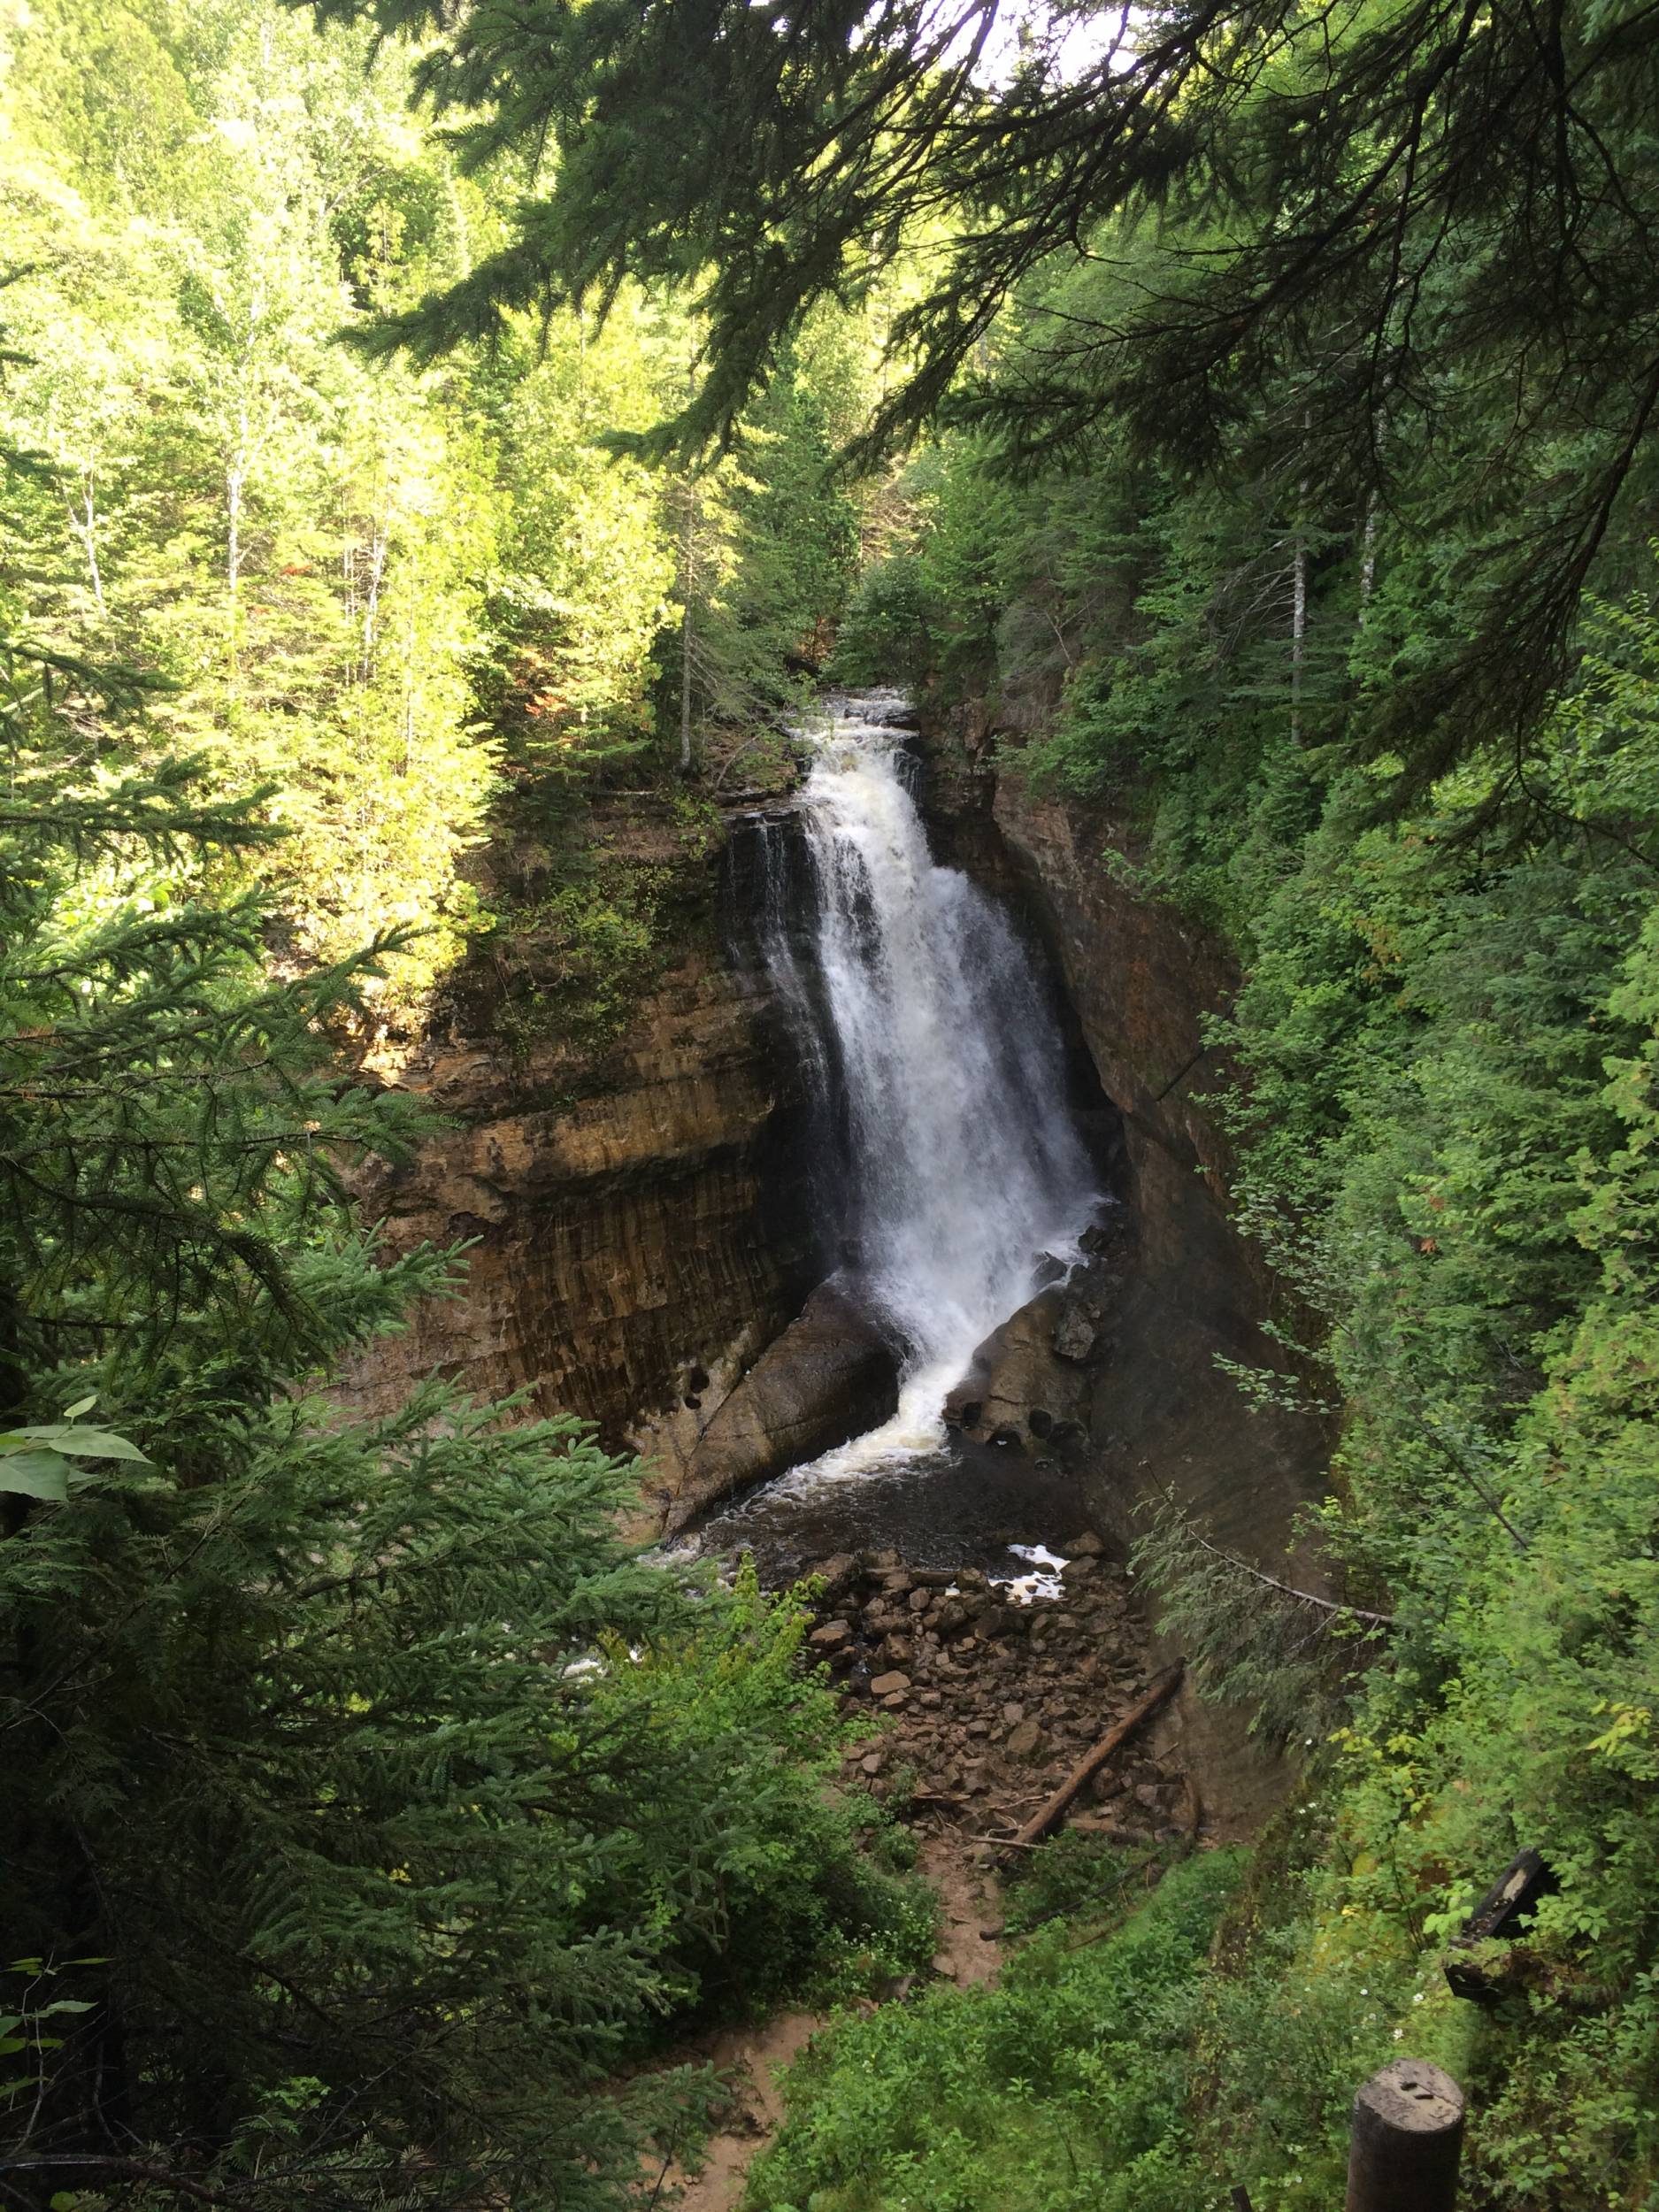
x=1367 y=231
x=367 y=1800
x=370 y=1804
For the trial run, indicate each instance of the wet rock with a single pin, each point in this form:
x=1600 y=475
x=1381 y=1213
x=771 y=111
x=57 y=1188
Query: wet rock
x=1075 y=1337
x=838 y=1575
x=1015 y=1372
x=831 y=1375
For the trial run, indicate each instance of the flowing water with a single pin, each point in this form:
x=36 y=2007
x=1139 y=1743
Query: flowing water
x=947 y=1154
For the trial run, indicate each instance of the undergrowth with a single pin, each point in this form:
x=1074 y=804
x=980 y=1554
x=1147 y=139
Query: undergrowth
x=1062 y=2088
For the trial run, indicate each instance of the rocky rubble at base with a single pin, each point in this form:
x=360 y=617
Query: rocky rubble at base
x=987 y=1705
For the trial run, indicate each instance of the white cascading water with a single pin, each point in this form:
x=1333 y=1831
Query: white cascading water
x=963 y=1165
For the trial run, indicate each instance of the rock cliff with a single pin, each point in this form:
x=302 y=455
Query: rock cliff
x=1141 y=980
x=1188 y=1290
x=640 y=1210
x=635 y=1210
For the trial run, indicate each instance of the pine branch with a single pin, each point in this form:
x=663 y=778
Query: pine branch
x=1287 y=1589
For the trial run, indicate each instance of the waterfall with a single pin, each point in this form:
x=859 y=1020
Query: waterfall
x=925 y=1028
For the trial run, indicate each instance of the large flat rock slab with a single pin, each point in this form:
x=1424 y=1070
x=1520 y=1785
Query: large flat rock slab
x=829 y=1377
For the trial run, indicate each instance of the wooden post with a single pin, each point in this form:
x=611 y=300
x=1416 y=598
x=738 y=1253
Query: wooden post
x=1407 y=2135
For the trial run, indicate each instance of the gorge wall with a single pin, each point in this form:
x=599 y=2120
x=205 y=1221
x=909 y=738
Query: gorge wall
x=637 y=1219
x=643 y=1246
x=1139 y=980
x=1162 y=1414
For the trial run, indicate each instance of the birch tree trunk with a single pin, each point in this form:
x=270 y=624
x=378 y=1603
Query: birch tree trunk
x=687 y=557
x=83 y=527
x=1368 y=559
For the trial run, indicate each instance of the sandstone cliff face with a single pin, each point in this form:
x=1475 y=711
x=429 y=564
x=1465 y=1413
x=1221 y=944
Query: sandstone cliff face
x=639 y=1225
x=1141 y=980
x=1162 y=1414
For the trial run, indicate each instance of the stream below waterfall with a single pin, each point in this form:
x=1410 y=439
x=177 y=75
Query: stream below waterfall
x=947 y=1170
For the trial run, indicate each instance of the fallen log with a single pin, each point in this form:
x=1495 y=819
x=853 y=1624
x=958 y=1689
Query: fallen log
x=1091 y=1762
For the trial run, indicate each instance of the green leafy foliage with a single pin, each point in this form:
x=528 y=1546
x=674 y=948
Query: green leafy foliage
x=327 y=1738
x=1061 y=2087
x=407 y=605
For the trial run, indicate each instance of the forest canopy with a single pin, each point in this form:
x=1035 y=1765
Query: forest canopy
x=1377 y=261
x=1280 y=383
x=416 y=419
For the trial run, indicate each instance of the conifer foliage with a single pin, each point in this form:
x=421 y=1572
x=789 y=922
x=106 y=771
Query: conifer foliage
x=368 y=1803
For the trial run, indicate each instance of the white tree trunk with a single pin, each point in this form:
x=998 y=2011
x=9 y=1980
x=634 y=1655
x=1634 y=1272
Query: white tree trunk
x=1298 y=636
x=1299 y=611
x=84 y=525
x=1368 y=559
x=688 y=555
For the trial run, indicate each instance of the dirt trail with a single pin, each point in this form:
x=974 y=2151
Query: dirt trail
x=754 y=2058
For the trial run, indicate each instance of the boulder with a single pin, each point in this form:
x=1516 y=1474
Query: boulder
x=889 y=1685
x=830 y=1376
x=1027 y=1741
x=837 y=1575
x=831 y=1636
x=1075 y=1337
x=1014 y=1374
